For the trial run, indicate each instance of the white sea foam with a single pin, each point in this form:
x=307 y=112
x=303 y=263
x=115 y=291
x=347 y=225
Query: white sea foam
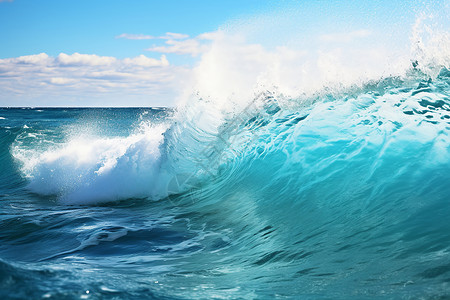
x=95 y=169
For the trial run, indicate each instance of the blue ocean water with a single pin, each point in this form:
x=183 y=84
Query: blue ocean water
x=346 y=195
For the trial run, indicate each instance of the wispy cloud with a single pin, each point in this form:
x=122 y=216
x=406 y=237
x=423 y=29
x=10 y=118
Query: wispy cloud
x=176 y=43
x=167 y=36
x=6 y=0
x=174 y=36
x=181 y=44
x=191 y=46
x=345 y=37
x=128 y=36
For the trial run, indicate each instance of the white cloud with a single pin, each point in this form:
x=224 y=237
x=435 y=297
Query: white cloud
x=6 y=0
x=61 y=80
x=177 y=43
x=345 y=37
x=181 y=44
x=167 y=36
x=134 y=36
x=210 y=35
x=144 y=61
x=84 y=59
x=174 y=36
x=41 y=58
x=86 y=79
x=191 y=46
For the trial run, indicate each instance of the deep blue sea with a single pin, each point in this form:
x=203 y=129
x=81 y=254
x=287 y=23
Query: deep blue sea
x=346 y=196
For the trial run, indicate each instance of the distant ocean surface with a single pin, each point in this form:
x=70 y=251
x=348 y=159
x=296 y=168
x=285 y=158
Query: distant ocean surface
x=344 y=196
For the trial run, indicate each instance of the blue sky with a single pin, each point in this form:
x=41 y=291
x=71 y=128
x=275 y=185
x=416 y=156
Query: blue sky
x=90 y=26
x=138 y=52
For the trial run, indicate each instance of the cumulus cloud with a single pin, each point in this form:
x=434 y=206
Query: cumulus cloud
x=29 y=59
x=84 y=77
x=84 y=59
x=144 y=61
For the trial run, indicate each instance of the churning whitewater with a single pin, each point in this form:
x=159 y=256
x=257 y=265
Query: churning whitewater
x=329 y=181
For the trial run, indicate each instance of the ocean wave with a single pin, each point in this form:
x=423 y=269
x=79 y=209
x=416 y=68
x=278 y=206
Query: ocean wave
x=159 y=161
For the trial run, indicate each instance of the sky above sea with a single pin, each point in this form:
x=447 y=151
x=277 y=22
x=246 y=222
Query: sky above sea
x=145 y=53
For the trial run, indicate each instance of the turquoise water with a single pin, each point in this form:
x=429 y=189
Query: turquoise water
x=346 y=195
